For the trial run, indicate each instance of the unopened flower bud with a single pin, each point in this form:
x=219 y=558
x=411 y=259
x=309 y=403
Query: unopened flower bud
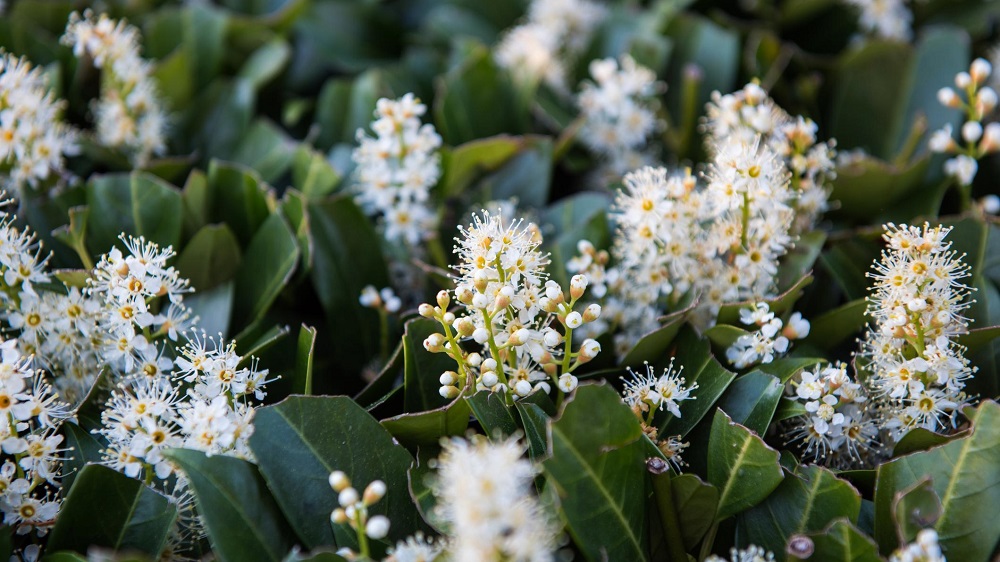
x=481 y=335
x=567 y=383
x=963 y=80
x=448 y=317
x=577 y=285
x=574 y=320
x=986 y=100
x=550 y=368
x=990 y=204
x=474 y=359
x=443 y=299
x=374 y=492
x=338 y=516
x=589 y=349
x=464 y=294
x=434 y=343
x=948 y=97
x=448 y=378
x=448 y=392
x=501 y=302
x=972 y=131
x=480 y=281
x=552 y=338
x=991 y=139
x=426 y=310
x=522 y=388
x=489 y=364
x=464 y=326
x=593 y=312
x=377 y=527
x=980 y=70
x=347 y=497
x=547 y=304
x=339 y=480
x=480 y=301
x=553 y=291
x=489 y=379
x=520 y=337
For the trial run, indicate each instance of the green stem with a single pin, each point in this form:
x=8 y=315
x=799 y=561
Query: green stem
x=668 y=516
x=362 y=537
x=745 y=235
x=383 y=328
x=709 y=541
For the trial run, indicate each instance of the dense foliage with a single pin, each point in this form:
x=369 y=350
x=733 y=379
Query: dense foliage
x=517 y=280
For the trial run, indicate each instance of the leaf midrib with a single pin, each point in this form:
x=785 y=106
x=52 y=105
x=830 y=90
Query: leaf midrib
x=731 y=478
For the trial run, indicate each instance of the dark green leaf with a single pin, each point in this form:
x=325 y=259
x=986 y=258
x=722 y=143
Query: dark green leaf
x=265 y=148
x=494 y=415
x=211 y=258
x=535 y=421
x=915 y=508
x=312 y=174
x=463 y=163
x=701 y=367
x=238 y=197
x=267 y=267
x=740 y=465
x=695 y=503
x=428 y=427
x=654 y=346
x=85 y=449
x=843 y=542
x=834 y=326
x=131 y=516
x=751 y=400
x=138 y=204
x=266 y=63
x=304 y=360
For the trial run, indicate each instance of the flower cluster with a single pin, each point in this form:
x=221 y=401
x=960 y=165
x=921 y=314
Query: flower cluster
x=416 y=548
x=31 y=456
x=397 y=168
x=129 y=114
x=544 y=47
x=648 y=393
x=619 y=113
x=770 y=339
x=353 y=511
x=484 y=495
x=837 y=429
x=509 y=309
x=752 y=553
x=744 y=115
x=924 y=549
x=977 y=140
x=33 y=139
x=890 y=19
x=917 y=300
x=385 y=299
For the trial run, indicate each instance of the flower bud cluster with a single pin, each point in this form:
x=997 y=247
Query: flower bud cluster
x=838 y=429
x=918 y=370
x=752 y=553
x=397 y=168
x=889 y=19
x=770 y=339
x=385 y=299
x=978 y=139
x=129 y=114
x=619 y=112
x=924 y=549
x=33 y=139
x=545 y=46
x=511 y=312
x=353 y=511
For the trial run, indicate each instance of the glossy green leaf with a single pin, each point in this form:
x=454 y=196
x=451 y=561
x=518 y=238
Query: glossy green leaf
x=213 y=307
x=301 y=440
x=238 y=197
x=597 y=470
x=915 y=508
x=800 y=259
x=653 y=346
x=535 y=422
x=211 y=258
x=965 y=474
x=131 y=517
x=304 y=360
x=752 y=399
x=730 y=313
x=808 y=500
x=494 y=415
x=920 y=439
x=267 y=267
x=422 y=369
x=867 y=186
x=740 y=465
x=425 y=428
x=841 y=541
x=700 y=366
x=137 y=204
x=266 y=63
x=787 y=367
x=312 y=174
x=265 y=148
x=696 y=503
x=526 y=176
x=240 y=515
x=463 y=163
x=344 y=106
x=86 y=449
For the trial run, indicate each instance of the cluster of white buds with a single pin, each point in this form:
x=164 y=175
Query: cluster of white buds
x=917 y=368
x=33 y=139
x=129 y=114
x=397 y=168
x=752 y=553
x=484 y=492
x=890 y=19
x=31 y=456
x=977 y=101
x=744 y=115
x=385 y=299
x=838 y=429
x=509 y=308
x=353 y=511
x=770 y=339
x=924 y=549
x=545 y=47
x=619 y=111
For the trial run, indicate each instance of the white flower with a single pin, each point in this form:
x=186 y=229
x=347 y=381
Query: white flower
x=648 y=392
x=963 y=168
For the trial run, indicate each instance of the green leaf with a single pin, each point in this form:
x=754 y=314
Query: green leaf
x=700 y=366
x=425 y=428
x=848 y=262
x=598 y=471
x=265 y=148
x=237 y=197
x=920 y=439
x=695 y=503
x=915 y=508
x=131 y=516
x=476 y=99
x=137 y=204
x=211 y=258
x=463 y=163
x=312 y=174
x=787 y=367
x=841 y=541
x=535 y=422
x=347 y=256
x=304 y=360
x=267 y=267
x=834 y=326
x=867 y=186
x=526 y=176
x=808 y=500
x=978 y=338
x=204 y=31
x=493 y=414
x=86 y=449
x=740 y=465
x=752 y=400
x=217 y=119
x=654 y=346
x=213 y=307
x=423 y=369
x=714 y=49
x=730 y=313
x=240 y=515
x=301 y=440
x=345 y=105
x=266 y=63
x=965 y=474
x=800 y=259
